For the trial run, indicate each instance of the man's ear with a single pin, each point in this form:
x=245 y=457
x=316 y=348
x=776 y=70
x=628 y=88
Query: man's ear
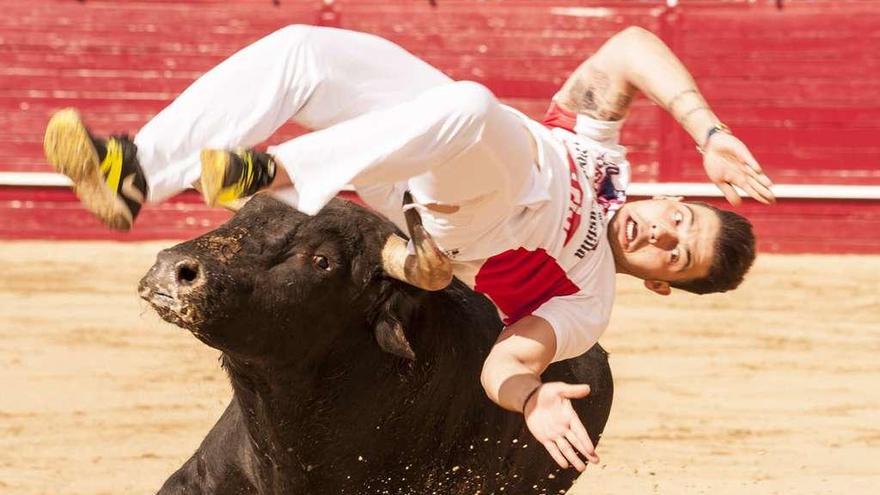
x=658 y=287
x=669 y=198
x=394 y=315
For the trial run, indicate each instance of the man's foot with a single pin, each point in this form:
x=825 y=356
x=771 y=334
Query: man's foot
x=105 y=172
x=228 y=176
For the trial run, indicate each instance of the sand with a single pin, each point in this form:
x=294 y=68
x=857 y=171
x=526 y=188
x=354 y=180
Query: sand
x=771 y=389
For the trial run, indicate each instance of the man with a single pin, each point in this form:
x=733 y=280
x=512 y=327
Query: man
x=523 y=210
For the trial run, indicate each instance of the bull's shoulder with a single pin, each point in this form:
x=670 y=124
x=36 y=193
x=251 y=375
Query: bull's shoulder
x=221 y=463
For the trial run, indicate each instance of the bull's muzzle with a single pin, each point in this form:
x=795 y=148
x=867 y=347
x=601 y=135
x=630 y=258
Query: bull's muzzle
x=169 y=283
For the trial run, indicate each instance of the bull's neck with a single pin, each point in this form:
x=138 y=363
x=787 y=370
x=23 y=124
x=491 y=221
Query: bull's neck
x=278 y=401
x=270 y=401
x=314 y=423
x=319 y=416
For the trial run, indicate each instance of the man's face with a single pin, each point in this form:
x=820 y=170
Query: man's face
x=663 y=240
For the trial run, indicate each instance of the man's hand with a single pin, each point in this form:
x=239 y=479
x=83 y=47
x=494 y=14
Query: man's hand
x=553 y=421
x=728 y=162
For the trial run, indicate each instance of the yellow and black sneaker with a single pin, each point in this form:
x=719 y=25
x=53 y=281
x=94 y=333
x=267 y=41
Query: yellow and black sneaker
x=106 y=175
x=228 y=176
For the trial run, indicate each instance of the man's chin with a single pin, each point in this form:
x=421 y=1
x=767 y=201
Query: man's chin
x=613 y=236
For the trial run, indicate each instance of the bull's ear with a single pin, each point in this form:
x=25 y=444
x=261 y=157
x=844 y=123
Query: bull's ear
x=390 y=324
x=390 y=336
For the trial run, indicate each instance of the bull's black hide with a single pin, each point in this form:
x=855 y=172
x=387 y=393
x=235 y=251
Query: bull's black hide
x=316 y=342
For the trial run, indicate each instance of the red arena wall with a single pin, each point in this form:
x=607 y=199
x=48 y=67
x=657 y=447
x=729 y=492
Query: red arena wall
x=797 y=80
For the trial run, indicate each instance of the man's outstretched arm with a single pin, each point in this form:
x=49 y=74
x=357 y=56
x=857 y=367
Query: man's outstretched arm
x=634 y=60
x=512 y=379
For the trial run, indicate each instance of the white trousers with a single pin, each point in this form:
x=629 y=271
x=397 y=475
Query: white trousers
x=382 y=119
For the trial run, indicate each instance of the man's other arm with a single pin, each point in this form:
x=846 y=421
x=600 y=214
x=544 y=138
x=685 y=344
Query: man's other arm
x=633 y=60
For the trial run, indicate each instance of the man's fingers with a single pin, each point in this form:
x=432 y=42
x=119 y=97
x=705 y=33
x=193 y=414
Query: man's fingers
x=555 y=454
x=756 y=191
x=575 y=391
x=576 y=442
x=746 y=156
x=577 y=436
x=765 y=195
x=758 y=175
x=751 y=192
x=570 y=454
x=763 y=180
x=751 y=187
x=759 y=181
x=583 y=438
x=750 y=161
x=729 y=193
x=585 y=450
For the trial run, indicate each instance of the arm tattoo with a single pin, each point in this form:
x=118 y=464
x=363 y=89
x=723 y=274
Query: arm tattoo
x=692 y=111
x=676 y=98
x=593 y=91
x=596 y=96
x=624 y=100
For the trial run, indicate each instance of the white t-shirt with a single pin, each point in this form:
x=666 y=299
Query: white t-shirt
x=562 y=268
x=552 y=258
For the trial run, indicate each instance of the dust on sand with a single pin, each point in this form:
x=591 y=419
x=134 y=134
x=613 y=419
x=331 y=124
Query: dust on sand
x=771 y=389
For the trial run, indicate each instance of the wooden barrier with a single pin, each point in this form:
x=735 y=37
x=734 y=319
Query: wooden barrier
x=799 y=84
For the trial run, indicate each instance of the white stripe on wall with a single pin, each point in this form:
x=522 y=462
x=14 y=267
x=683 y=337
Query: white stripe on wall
x=686 y=189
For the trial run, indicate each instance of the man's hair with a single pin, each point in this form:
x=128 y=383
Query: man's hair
x=734 y=253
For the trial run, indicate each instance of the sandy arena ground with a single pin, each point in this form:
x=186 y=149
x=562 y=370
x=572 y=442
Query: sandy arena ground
x=772 y=389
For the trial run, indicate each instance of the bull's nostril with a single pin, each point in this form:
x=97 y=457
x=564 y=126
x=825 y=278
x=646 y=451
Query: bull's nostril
x=187 y=272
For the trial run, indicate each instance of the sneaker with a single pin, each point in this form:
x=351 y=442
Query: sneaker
x=106 y=175
x=229 y=176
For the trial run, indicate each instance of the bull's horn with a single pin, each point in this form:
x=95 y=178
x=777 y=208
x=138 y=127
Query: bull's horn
x=428 y=268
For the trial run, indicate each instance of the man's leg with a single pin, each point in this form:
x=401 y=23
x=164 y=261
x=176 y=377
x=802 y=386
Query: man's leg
x=315 y=76
x=465 y=157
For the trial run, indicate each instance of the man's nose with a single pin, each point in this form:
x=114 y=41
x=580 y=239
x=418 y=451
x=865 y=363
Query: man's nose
x=663 y=237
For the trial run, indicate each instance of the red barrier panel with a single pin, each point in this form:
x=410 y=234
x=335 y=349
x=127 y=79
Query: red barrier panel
x=798 y=84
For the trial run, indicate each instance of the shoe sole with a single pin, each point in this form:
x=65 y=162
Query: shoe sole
x=70 y=151
x=214 y=165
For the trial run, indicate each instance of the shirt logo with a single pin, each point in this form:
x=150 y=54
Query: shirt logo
x=576 y=200
x=602 y=184
x=591 y=240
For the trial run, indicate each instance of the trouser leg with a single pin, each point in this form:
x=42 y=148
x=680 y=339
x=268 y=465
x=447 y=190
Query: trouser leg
x=453 y=144
x=314 y=76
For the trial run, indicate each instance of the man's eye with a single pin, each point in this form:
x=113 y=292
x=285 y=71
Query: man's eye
x=674 y=255
x=678 y=217
x=321 y=262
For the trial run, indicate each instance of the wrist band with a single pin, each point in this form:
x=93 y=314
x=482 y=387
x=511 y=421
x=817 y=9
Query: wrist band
x=528 y=397
x=719 y=127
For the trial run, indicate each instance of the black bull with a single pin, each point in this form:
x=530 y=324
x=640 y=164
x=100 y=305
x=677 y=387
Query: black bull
x=317 y=344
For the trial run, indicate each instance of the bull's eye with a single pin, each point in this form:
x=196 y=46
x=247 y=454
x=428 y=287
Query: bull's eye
x=321 y=262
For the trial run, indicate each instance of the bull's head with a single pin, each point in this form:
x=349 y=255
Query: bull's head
x=275 y=282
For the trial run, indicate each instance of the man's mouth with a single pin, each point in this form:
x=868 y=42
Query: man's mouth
x=630 y=233
x=632 y=229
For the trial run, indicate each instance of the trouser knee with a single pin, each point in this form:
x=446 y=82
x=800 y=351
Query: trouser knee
x=470 y=100
x=293 y=35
